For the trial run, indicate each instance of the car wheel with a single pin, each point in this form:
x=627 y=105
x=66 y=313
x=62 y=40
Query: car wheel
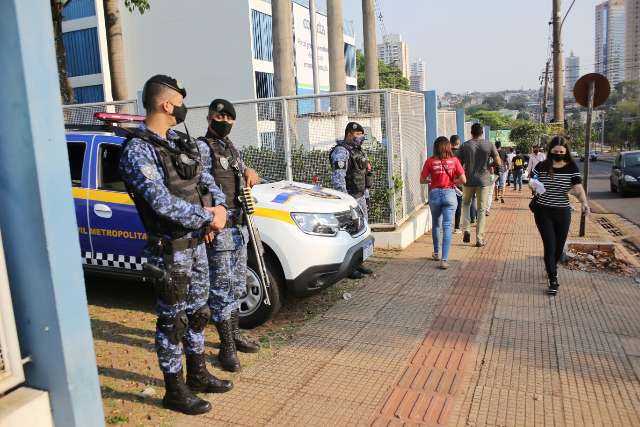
x=253 y=310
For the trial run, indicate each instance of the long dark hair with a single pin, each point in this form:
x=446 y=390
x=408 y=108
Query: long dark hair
x=563 y=142
x=442 y=148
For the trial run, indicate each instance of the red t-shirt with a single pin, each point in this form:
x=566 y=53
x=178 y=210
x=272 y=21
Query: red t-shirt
x=442 y=172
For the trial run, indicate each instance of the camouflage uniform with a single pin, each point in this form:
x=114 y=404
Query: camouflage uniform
x=340 y=163
x=227 y=259
x=141 y=170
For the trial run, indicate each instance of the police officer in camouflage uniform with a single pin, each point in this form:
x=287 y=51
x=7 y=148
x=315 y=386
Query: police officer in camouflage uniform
x=352 y=173
x=164 y=173
x=228 y=252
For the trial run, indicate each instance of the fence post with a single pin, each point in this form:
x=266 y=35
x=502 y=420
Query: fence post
x=460 y=123
x=401 y=154
x=431 y=118
x=287 y=139
x=387 y=127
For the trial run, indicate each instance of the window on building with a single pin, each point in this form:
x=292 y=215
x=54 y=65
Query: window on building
x=264 y=85
x=108 y=172
x=86 y=94
x=262 y=36
x=350 y=60
x=79 y=9
x=83 y=52
x=76 y=150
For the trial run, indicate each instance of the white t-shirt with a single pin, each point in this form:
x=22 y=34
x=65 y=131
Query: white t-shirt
x=534 y=159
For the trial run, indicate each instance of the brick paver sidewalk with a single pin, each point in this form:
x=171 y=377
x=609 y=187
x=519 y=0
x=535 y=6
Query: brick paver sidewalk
x=478 y=344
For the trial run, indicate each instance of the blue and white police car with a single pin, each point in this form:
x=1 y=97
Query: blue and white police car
x=312 y=236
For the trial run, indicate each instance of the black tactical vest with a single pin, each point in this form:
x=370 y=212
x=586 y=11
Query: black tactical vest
x=356 y=170
x=224 y=160
x=182 y=183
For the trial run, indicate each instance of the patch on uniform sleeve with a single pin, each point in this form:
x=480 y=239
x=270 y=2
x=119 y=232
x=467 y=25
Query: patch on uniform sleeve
x=150 y=172
x=341 y=164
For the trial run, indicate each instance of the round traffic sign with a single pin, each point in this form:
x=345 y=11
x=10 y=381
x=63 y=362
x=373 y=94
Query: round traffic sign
x=602 y=89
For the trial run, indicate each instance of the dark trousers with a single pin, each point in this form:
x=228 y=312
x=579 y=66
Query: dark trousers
x=553 y=225
x=458 y=212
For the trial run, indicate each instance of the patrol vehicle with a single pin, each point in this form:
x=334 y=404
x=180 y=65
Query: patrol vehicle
x=313 y=237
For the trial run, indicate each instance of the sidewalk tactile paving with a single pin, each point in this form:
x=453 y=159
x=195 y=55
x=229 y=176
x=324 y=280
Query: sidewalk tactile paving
x=310 y=410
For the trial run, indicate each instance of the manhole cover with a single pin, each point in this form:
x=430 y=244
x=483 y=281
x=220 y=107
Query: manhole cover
x=609 y=226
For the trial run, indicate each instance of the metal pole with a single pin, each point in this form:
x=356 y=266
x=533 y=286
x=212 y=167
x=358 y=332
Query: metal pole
x=587 y=149
x=314 y=52
x=558 y=72
x=543 y=114
x=390 y=156
x=287 y=140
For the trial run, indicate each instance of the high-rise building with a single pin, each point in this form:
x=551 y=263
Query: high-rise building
x=632 y=40
x=393 y=51
x=572 y=74
x=610 y=40
x=242 y=69
x=418 y=77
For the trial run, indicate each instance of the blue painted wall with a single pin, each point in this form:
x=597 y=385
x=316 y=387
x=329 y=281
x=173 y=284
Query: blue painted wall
x=431 y=118
x=460 y=123
x=38 y=223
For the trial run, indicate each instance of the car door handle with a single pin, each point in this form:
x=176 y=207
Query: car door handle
x=103 y=211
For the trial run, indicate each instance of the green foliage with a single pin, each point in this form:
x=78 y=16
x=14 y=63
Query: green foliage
x=307 y=164
x=476 y=108
x=117 y=419
x=141 y=5
x=523 y=115
x=495 y=102
x=525 y=134
x=622 y=128
x=518 y=102
x=390 y=75
x=493 y=119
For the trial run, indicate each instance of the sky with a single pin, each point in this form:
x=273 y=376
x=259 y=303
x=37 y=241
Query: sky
x=482 y=45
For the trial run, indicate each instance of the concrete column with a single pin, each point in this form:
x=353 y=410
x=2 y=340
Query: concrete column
x=337 y=72
x=371 y=73
x=37 y=219
x=431 y=118
x=460 y=123
x=284 y=78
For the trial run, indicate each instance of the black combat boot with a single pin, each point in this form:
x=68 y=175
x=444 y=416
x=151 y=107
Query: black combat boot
x=179 y=397
x=228 y=356
x=553 y=285
x=242 y=343
x=364 y=270
x=200 y=380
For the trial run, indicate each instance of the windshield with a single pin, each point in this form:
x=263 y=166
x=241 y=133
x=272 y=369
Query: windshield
x=632 y=159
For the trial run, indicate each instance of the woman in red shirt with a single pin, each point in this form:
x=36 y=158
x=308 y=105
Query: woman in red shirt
x=442 y=172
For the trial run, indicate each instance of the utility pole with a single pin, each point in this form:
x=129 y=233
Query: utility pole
x=543 y=113
x=283 y=68
x=558 y=72
x=337 y=72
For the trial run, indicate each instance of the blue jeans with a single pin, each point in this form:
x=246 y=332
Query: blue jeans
x=517 y=173
x=443 y=203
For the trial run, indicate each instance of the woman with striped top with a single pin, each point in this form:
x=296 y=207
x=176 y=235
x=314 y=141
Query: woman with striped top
x=560 y=176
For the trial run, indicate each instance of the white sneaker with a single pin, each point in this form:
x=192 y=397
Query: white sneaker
x=457 y=231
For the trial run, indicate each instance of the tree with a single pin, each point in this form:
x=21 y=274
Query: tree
x=526 y=134
x=523 y=115
x=114 y=45
x=518 y=102
x=495 y=102
x=493 y=119
x=390 y=75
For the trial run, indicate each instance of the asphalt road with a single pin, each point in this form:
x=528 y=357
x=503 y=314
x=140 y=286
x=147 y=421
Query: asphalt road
x=605 y=200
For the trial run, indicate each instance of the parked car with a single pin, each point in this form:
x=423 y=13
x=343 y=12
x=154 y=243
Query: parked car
x=625 y=173
x=313 y=237
x=575 y=154
x=593 y=156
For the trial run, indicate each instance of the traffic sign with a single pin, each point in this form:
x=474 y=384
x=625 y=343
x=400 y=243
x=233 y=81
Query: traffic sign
x=601 y=93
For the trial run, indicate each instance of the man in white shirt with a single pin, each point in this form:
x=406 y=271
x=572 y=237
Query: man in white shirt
x=535 y=158
x=510 y=155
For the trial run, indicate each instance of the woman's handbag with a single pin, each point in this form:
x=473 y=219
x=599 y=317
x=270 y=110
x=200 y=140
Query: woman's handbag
x=533 y=203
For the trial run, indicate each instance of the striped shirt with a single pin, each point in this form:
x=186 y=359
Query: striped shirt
x=557 y=186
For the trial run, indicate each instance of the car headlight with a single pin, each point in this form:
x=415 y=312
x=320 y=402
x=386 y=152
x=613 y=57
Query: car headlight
x=319 y=224
x=629 y=178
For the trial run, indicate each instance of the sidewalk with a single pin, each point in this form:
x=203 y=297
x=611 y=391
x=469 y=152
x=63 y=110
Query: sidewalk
x=478 y=344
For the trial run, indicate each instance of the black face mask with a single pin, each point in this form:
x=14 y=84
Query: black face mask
x=558 y=157
x=222 y=129
x=179 y=112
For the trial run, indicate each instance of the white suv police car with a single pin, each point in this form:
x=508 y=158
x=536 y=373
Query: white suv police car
x=313 y=237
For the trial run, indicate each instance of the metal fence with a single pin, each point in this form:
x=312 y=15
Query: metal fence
x=83 y=113
x=290 y=138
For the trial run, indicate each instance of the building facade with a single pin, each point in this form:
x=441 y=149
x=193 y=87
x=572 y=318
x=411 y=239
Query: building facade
x=572 y=74
x=610 y=40
x=418 y=79
x=223 y=49
x=393 y=51
x=632 y=40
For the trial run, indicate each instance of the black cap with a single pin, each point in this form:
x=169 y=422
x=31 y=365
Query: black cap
x=353 y=127
x=167 y=81
x=222 y=106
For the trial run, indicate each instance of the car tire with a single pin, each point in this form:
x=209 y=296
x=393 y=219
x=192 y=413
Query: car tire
x=253 y=310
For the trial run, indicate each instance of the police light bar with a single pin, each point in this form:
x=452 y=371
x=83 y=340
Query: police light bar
x=118 y=118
